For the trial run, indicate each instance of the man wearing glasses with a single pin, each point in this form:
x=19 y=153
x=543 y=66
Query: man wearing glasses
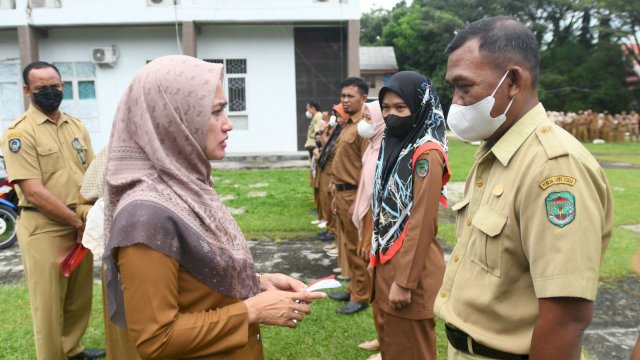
x=46 y=153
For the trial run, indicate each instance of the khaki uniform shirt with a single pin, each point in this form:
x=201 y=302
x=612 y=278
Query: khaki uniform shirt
x=535 y=221
x=59 y=153
x=347 y=163
x=314 y=127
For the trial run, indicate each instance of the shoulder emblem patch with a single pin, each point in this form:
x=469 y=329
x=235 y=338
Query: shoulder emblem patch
x=14 y=145
x=561 y=208
x=556 y=180
x=422 y=167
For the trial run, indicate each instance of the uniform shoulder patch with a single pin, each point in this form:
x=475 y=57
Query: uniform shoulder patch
x=561 y=208
x=422 y=167
x=14 y=145
x=556 y=180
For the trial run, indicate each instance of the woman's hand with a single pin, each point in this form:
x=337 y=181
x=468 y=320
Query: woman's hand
x=282 y=308
x=280 y=282
x=399 y=297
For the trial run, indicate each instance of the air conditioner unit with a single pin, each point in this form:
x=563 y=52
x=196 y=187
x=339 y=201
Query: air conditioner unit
x=161 y=2
x=105 y=55
x=45 y=3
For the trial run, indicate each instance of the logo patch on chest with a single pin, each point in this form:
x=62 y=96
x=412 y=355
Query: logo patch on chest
x=561 y=208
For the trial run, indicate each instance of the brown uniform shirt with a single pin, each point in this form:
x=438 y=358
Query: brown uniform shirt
x=35 y=147
x=535 y=221
x=172 y=315
x=419 y=264
x=347 y=163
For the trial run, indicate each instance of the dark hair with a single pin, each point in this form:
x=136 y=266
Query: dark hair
x=314 y=104
x=357 y=82
x=36 y=65
x=504 y=40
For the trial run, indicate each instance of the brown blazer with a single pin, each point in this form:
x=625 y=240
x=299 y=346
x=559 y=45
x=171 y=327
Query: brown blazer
x=172 y=315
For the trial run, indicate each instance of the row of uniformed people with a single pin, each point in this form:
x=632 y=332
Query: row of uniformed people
x=588 y=125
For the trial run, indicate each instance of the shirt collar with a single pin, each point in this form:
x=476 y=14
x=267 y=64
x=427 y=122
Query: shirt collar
x=41 y=117
x=510 y=142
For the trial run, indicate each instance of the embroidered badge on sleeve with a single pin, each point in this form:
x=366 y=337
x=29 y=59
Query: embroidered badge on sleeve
x=556 y=180
x=422 y=167
x=561 y=208
x=14 y=145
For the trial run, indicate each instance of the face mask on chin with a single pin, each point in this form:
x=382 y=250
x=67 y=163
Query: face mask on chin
x=474 y=122
x=48 y=99
x=307 y=114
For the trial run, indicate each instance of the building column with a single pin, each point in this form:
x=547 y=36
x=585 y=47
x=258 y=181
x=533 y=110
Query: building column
x=353 y=48
x=28 y=37
x=189 y=38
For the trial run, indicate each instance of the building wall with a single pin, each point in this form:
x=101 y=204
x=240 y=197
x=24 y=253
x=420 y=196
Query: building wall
x=270 y=81
x=11 y=99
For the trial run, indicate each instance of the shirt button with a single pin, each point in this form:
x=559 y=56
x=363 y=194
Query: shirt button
x=480 y=183
x=443 y=293
x=456 y=258
x=468 y=221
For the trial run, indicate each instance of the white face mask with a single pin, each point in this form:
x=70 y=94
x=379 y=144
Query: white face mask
x=307 y=114
x=365 y=129
x=474 y=122
x=333 y=121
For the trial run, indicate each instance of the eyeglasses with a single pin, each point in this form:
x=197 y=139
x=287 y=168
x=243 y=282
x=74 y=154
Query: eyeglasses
x=77 y=146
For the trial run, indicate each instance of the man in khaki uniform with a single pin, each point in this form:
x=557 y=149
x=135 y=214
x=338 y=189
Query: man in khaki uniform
x=46 y=153
x=537 y=212
x=346 y=169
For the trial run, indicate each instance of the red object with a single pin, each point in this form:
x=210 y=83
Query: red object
x=73 y=259
x=324 y=278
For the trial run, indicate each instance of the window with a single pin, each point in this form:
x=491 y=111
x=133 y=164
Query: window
x=235 y=87
x=79 y=98
x=10 y=93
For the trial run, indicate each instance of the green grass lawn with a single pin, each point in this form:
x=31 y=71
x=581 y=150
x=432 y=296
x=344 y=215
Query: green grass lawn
x=285 y=212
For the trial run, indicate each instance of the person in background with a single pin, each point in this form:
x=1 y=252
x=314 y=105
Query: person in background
x=537 y=212
x=46 y=153
x=314 y=114
x=346 y=169
x=407 y=261
x=371 y=128
x=179 y=273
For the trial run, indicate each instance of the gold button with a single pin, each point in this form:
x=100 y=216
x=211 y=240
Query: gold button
x=456 y=258
x=545 y=130
x=498 y=190
x=443 y=293
x=480 y=183
x=468 y=221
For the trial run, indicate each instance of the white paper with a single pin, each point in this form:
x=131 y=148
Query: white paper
x=326 y=283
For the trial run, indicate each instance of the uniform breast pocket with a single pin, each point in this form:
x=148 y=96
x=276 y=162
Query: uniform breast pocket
x=50 y=158
x=487 y=250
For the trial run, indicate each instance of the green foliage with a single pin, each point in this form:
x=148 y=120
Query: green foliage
x=582 y=65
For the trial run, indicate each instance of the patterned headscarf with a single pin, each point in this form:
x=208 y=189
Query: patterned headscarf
x=157 y=159
x=393 y=187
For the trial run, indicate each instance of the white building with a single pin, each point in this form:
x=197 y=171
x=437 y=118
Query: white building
x=278 y=54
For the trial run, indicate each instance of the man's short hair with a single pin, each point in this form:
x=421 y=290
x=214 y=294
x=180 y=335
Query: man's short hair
x=314 y=104
x=357 y=82
x=36 y=65
x=504 y=40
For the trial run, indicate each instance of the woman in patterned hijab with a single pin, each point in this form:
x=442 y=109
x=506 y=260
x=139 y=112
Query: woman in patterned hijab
x=179 y=272
x=407 y=260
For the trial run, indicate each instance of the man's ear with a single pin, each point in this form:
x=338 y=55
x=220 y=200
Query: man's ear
x=519 y=79
x=25 y=89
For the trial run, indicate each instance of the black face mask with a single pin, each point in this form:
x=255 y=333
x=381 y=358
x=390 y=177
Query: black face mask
x=48 y=99
x=399 y=126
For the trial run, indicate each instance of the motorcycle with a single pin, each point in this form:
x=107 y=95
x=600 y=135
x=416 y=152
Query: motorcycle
x=8 y=209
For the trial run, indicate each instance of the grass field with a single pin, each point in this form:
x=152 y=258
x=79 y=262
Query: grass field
x=284 y=212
